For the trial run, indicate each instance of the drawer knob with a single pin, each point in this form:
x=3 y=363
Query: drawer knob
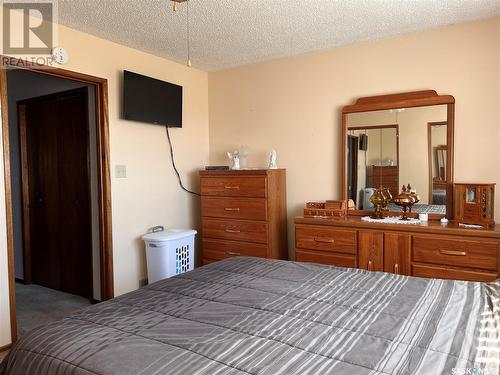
x=324 y=240
x=232 y=253
x=369 y=268
x=233 y=231
x=236 y=187
x=232 y=209
x=396 y=269
x=452 y=252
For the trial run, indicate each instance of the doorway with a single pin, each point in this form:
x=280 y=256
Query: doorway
x=46 y=261
x=55 y=155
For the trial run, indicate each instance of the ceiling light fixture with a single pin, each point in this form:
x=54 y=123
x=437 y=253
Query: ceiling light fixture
x=188 y=37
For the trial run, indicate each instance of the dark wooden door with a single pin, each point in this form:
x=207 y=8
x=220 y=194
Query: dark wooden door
x=54 y=145
x=352 y=167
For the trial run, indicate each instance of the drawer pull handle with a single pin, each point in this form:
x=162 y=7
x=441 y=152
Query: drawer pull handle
x=231 y=187
x=369 y=268
x=232 y=253
x=452 y=252
x=324 y=240
x=233 y=231
x=396 y=269
x=232 y=209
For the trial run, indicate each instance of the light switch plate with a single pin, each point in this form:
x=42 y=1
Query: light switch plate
x=120 y=171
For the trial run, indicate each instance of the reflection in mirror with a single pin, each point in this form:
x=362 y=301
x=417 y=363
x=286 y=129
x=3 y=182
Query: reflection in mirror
x=437 y=162
x=376 y=160
x=396 y=147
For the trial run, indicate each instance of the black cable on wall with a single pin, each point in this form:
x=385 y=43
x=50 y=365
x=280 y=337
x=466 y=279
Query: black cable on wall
x=175 y=167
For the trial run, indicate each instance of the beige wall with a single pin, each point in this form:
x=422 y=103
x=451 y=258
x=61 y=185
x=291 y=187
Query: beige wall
x=150 y=194
x=294 y=104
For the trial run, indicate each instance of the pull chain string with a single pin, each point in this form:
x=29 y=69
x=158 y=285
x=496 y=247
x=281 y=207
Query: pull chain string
x=188 y=35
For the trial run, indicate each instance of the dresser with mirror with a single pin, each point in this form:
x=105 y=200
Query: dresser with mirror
x=389 y=141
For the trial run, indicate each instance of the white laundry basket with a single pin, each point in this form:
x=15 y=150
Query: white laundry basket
x=169 y=253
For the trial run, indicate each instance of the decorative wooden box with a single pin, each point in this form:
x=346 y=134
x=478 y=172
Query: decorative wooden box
x=475 y=203
x=326 y=209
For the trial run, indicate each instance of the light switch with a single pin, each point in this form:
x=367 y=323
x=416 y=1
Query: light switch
x=120 y=171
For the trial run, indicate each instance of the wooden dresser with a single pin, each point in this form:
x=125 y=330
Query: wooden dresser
x=243 y=213
x=426 y=250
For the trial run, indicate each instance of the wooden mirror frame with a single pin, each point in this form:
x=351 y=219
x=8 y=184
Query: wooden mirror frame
x=404 y=100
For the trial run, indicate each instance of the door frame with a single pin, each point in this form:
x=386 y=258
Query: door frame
x=23 y=148
x=103 y=174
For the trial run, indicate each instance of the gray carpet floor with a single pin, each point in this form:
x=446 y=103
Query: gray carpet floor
x=37 y=305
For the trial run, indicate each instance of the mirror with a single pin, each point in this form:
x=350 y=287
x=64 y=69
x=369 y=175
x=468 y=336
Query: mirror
x=401 y=139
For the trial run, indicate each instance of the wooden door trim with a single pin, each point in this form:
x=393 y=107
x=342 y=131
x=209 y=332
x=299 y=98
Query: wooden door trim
x=104 y=175
x=23 y=148
x=25 y=194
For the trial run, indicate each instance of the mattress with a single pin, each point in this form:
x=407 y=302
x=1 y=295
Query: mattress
x=256 y=316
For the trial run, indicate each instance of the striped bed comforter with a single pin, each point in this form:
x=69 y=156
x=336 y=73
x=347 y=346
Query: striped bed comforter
x=256 y=316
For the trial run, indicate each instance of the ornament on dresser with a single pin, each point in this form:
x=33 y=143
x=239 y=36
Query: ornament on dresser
x=272 y=160
x=406 y=199
x=474 y=203
x=380 y=199
x=234 y=157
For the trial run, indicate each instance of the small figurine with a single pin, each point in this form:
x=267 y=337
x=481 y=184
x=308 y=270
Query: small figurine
x=272 y=160
x=235 y=159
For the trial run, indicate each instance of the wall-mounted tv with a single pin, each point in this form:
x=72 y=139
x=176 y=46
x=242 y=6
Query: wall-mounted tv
x=150 y=100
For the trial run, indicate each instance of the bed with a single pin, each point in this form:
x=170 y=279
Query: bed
x=249 y=315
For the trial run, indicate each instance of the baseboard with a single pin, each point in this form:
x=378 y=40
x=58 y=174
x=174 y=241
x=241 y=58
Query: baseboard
x=94 y=301
x=5 y=348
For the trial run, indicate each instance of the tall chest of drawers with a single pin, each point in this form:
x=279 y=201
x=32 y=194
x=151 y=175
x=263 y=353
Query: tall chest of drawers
x=243 y=213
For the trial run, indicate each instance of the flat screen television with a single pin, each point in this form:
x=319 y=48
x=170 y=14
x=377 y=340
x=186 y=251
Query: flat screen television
x=150 y=100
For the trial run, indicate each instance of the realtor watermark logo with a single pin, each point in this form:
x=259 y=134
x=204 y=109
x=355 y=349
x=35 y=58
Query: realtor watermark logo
x=473 y=371
x=28 y=30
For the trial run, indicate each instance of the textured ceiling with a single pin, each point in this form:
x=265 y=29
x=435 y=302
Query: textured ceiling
x=228 y=33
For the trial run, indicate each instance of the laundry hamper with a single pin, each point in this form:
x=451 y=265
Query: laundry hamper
x=169 y=253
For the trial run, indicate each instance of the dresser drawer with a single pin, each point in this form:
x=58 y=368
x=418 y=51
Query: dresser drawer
x=237 y=186
x=234 y=208
x=461 y=253
x=437 y=272
x=235 y=230
x=220 y=249
x=334 y=259
x=325 y=239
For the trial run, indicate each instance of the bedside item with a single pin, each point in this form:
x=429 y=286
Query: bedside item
x=423 y=217
x=379 y=201
x=406 y=199
x=391 y=220
x=272 y=160
x=474 y=203
x=235 y=159
x=243 y=154
x=328 y=208
x=243 y=213
x=444 y=220
x=217 y=168
x=169 y=252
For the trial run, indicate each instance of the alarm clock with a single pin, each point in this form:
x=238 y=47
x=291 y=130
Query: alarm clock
x=474 y=203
